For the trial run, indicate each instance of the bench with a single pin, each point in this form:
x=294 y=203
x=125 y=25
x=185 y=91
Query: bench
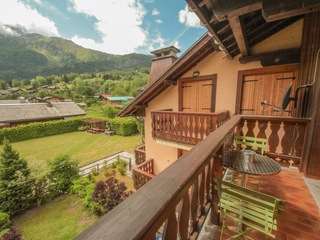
x=247 y=207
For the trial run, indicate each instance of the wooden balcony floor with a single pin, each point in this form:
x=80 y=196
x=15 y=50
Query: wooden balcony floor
x=301 y=217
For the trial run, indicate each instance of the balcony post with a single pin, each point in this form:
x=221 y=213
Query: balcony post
x=217 y=170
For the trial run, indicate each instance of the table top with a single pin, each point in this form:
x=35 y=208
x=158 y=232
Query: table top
x=262 y=165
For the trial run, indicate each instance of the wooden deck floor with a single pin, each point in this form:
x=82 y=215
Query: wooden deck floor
x=301 y=218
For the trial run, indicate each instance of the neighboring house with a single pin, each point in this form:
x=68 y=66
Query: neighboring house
x=241 y=71
x=116 y=101
x=16 y=114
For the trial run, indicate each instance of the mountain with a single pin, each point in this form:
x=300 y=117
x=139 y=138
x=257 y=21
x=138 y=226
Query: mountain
x=30 y=55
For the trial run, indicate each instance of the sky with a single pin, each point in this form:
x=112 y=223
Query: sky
x=110 y=26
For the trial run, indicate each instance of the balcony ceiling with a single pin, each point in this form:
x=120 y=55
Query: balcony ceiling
x=238 y=25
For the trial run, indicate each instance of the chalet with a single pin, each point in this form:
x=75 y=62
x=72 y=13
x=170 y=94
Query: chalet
x=256 y=72
x=23 y=113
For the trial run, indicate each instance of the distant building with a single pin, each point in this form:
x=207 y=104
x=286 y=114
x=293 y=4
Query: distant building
x=24 y=113
x=116 y=101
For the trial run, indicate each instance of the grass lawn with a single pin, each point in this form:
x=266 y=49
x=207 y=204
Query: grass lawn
x=79 y=145
x=63 y=218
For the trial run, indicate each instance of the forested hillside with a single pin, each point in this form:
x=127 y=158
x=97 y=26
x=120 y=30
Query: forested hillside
x=31 y=55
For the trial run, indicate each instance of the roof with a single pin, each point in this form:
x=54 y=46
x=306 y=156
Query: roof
x=38 y=111
x=122 y=99
x=105 y=95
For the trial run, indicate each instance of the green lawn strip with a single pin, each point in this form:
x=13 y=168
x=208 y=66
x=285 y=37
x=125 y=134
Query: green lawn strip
x=63 y=218
x=79 y=145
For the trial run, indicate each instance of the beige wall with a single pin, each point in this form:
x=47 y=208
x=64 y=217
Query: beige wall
x=163 y=155
x=227 y=75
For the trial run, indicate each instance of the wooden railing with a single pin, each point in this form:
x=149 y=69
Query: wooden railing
x=175 y=202
x=185 y=127
x=140 y=154
x=285 y=136
x=143 y=173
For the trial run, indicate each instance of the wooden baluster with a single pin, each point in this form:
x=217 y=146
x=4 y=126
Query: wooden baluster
x=174 y=132
x=202 y=192
x=184 y=217
x=208 y=181
x=217 y=168
x=288 y=138
x=262 y=125
x=202 y=128
x=239 y=130
x=196 y=130
x=189 y=117
x=250 y=125
x=194 y=205
x=273 y=140
x=170 y=231
x=298 y=143
x=176 y=126
x=180 y=125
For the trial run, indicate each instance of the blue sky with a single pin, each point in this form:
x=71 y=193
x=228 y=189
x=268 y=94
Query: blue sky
x=111 y=26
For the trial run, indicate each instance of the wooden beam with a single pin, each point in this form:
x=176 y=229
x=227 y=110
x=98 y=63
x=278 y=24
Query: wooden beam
x=224 y=10
x=169 y=82
x=237 y=29
x=287 y=56
x=275 y=10
x=207 y=18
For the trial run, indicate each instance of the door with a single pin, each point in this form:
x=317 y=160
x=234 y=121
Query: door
x=267 y=88
x=198 y=95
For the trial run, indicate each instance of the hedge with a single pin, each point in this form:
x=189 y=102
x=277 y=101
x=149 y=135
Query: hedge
x=39 y=129
x=123 y=126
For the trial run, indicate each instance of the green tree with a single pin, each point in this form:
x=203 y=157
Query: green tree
x=15 y=181
x=63 y=170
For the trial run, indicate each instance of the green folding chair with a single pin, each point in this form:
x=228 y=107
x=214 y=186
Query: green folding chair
x=253 y=143
x=256 y=210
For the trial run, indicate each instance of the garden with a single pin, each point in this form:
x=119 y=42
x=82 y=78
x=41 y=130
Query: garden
x=48 y=199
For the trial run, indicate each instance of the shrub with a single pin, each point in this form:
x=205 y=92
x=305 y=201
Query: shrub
x=43 y=189
x=12 y=234
x=108 y=194
x=63 y=171
x=110 y=112
x=121 y=166
x=4 y=221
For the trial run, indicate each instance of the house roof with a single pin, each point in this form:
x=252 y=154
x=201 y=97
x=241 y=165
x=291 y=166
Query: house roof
x=122 y=99
x=234 y=27
x=104 y=95
x=201 y=49
x=38 y=111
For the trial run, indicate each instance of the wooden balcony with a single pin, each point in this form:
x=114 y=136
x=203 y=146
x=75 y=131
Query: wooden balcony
x=185 y=127
x=140 y=154
x=177 y=201
x=143 y=173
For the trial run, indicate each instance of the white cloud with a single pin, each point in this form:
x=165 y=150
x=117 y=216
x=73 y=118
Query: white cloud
x=15 y=14
x=155 y=12
x=188 y=18
x=118 y=22
x=159 y=21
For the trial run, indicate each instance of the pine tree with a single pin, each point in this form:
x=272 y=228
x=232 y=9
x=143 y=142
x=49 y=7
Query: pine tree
x=15 y=181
